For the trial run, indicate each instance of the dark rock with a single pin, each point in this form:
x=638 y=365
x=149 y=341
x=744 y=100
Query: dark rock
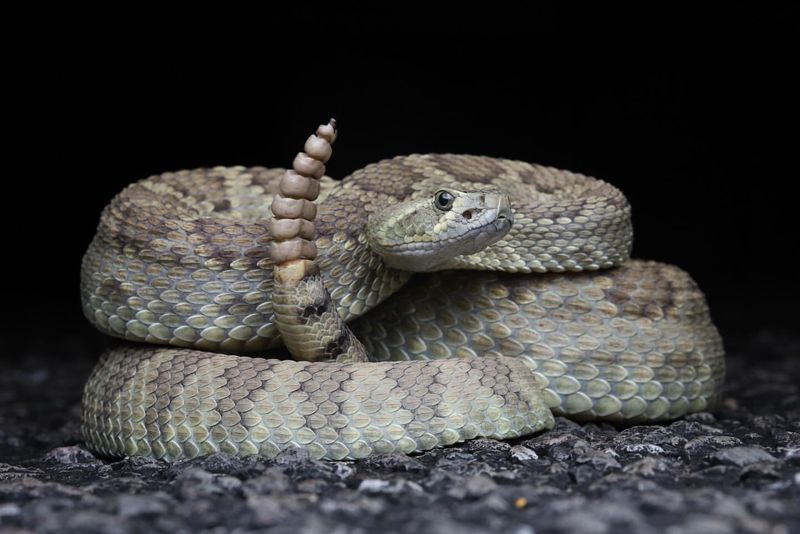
x=355 y=507
x=9 y=511
x=707 y=524
x=487 y=446
x=644 y=448
x=648 y=466
x=701 y=417
x=761 y=473
x=293 y=457
x=568 y=425
x=268 y=512
x=622 y=482
x=312 y=486
x=145 y=467
x=375 y=485
x=585 y=474
x=214 y=463
x=11 y=472
x=475 y=486
x=716 y=475
x=742 y=456
x=70 y=455
x=392 y=462
x=560 y=453
x=646 y=440
x=523 y=454
x=601 y=460
x=662 y=500
x=558 y=475
x=701 y=448
x=195 y=482
x=546 y=440
x=138 y=505
x=273 y=481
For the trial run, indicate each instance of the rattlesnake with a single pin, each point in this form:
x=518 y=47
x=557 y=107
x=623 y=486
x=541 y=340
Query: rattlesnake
x=516 y=252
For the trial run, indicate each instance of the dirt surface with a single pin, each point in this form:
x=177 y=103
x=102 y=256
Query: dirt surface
x=737 y=470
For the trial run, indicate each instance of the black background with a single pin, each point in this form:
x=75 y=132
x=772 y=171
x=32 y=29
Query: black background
x=693 y=114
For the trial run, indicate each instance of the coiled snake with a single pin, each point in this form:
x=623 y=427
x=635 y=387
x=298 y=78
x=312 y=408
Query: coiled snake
x=530 y=307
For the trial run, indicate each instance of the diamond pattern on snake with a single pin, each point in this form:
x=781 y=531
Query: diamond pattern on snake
x=434 y=297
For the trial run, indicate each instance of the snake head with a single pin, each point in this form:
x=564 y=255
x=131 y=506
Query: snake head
x=422 y=234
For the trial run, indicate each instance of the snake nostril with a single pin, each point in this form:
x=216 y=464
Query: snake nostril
x=467 y=214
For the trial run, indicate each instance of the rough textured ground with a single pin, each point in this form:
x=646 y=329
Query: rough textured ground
x=735 y=471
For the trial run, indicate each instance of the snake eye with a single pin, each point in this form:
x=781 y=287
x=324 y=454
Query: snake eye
x=443 y=200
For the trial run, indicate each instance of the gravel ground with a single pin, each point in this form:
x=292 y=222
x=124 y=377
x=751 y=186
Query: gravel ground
x=737 y=470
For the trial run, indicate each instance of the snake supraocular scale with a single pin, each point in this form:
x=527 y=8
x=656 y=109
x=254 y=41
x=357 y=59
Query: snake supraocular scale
x=182 y=259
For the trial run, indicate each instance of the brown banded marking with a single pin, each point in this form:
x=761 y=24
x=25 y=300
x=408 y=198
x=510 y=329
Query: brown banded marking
x=167 y=267
x=178 y=403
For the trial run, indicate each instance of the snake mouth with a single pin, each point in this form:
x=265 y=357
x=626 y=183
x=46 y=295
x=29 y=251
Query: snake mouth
x=502 y=225
x=426 y=256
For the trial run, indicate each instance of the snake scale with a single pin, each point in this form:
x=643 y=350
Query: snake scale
x=528 y=306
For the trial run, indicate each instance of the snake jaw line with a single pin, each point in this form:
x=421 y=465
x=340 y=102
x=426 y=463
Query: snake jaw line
x=419 y=253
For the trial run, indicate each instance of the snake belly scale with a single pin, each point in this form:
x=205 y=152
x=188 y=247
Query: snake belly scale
x=182 y=259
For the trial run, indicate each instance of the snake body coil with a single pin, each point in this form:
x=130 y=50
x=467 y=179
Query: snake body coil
x=194 y=260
